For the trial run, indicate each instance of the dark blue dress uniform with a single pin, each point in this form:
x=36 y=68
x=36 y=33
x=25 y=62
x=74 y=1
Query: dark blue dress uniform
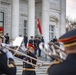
x=11 y=63
x=27 y=68
x=4 y=69
x=12 y=66
x=25 y=40
x=68 y=66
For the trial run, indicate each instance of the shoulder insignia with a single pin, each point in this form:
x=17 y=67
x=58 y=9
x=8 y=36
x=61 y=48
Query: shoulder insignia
x=10 y=65
x=55 y=62
x=17 y=54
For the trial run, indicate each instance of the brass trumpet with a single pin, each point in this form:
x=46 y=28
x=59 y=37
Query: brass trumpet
x=51 y=51
x=59 y=50
x=16 y=51
x=23 y=54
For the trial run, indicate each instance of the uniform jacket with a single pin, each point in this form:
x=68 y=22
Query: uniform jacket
x=28 y=66
x=4 y=69
x=67 y=67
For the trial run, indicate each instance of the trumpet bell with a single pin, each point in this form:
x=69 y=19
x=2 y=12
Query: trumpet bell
x=46 y=46
x=41 y=46
x=62 y=46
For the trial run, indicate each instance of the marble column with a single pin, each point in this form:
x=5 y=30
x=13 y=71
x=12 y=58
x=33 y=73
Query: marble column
x=45 y=19
x=15 y=18
x=31 y=18
x=0 y=5
x=63 y=17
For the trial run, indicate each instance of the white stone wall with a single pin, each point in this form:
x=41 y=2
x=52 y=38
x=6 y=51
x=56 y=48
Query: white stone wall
x=63 y=17
x=55 y=12
x=6 y=8
x=55 y=4
x=23 y=16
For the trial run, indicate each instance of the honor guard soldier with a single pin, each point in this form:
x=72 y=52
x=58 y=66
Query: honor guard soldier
x=4 y=69
x=27 y=68
x=68 y=66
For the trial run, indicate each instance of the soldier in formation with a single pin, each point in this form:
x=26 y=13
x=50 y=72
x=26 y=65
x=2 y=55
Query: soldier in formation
x=27 y=68
x=68 y=66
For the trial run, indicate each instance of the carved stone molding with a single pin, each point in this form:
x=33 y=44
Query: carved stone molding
x=5 y=2
x=53 y=19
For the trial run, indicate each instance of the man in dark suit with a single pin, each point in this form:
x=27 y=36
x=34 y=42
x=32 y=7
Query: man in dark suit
x=4 y=69
x=7 y=38
x=31 y=40
x=25 y=40
x=68 y=66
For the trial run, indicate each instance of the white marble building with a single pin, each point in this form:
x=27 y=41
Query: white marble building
x=20 y=16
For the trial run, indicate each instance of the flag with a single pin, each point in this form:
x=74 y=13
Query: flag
x=1 y=28
x=39 y=26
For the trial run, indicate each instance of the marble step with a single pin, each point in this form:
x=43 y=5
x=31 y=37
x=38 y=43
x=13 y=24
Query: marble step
x=39 y=70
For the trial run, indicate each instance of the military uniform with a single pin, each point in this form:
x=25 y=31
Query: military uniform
x=4 y=69
x=27 y=68
x=11 y=62
x=12 y=66
x=68 y=66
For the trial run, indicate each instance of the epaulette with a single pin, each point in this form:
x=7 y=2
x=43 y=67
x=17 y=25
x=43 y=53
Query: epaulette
x=12 y=62
x=17 y=54
x=53 y=63
x=10 y=65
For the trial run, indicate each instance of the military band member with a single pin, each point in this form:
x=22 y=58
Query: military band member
x=11 y=62
x=68 y=66
x=4 y=69
x=27 y=68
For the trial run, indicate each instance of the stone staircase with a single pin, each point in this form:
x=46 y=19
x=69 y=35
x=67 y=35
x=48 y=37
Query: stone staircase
x=39 y=70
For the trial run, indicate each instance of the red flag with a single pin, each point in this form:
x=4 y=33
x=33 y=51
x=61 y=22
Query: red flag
x=1 y=28
x=39 y=26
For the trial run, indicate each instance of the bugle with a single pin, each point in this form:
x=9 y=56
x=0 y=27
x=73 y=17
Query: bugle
x=59 y=50
x=40 y=64
x=26 y=62
x=16 y=45
x=18 y=42
x=16 y=48
x=52 y=52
